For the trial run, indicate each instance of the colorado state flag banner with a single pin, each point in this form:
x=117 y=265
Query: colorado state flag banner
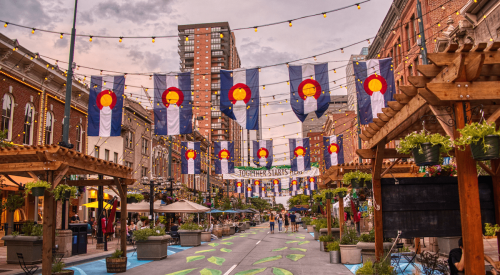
x=239 y=97
x=238 y=186
x=256 y=186
x=307 y=191
x=105 y=105
x=312 y=183
x=277 y=187
x=263 y=191
x=309 y=89
x=300 y=154
x=374 y=87
x=333 y=153
x=224 y=157
x=248 y=191
x=191 y=158
x=263 y=153
x=294 y=184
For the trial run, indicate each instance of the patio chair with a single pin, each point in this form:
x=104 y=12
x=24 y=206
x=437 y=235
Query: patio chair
x=28 y=269
x=176 y=238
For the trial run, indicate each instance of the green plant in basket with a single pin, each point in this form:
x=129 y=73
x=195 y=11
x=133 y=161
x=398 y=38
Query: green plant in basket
x=342 y=190
x=60 y=190
x=415 y=140
x=491 y=230
x=474 y=133
x=333 y=246
x=34 y=184
x=356 y=175
x=138 y=197
x=117 y=254
x=326 y=238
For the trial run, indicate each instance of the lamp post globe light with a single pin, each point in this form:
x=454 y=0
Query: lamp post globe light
x=152 y=182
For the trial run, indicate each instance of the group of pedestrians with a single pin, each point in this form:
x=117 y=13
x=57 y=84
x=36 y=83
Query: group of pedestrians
x=288 y=219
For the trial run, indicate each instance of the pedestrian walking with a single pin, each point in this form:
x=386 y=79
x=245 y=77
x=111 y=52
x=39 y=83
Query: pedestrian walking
x=286 y=223
x=271 y=223
x=280 y=223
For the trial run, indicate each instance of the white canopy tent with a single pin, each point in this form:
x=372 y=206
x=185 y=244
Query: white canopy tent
x=143 y=206
x=182 y=206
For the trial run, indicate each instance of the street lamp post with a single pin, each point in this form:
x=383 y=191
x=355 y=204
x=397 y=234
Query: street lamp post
x=152 y=182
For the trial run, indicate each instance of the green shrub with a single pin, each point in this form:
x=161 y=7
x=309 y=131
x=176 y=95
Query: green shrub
x=138 y=197
x=414 y=140
x=190 y=226
x=143 y=234
x=61 y=189
x=333 y=246
x=474 y=133
x=380 y=268
x=349 y=237
x=346 y=179
x=306 y=220
x=491 y=230
x=40 y=183
x=368 y=238
x=15 y=233
x=326 y=238
x=366 y=269
x=117 y=254
x=30 y=229
x=340 y=189
x=143 y=218
x=58 y=267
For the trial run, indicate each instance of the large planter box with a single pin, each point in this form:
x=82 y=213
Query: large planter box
x=350 y=254
x=206 y=236
x=368 y=250
x=232 y=230
x=446 y=244
x=316 y=233
x=335 y=232
x=190 y=237
x=310 y=229
x=154 y=248
x=30 y=247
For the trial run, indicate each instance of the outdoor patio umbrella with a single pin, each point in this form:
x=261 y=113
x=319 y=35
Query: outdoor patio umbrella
x=213 y=211
x=293 y=209
x=230 y=211
x=94 y=204
x=142 y=206
x=182 y=206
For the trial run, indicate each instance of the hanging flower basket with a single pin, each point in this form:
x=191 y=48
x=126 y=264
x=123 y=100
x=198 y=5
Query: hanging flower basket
x=368 y=184
x=488 y=150
x=429 y=156
x=38 y=191
x=67 y=194
x=357 y=183
x=131 y=200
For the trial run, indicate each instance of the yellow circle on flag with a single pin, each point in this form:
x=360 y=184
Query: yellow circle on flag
x=224 y=155
x=239 y=94
x=172 y=97
x=300 y=152
x=262 y=154
x=190 y=155
x=309 y=89
x=106 y=100
x=375 y=85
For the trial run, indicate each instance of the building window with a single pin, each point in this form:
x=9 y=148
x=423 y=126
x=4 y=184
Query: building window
x=115 y=157
x=129 y=140
x=7 y=112
x=79 y=138
x=144 y=172
x=129 y=164
x=414 y=23
x=408 y=33
x=49 y=128
x=106 y=154
x=144 y=146
x=29 y=114
x=96 y=151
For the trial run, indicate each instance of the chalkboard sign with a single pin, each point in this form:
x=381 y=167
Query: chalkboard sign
x=429 y=207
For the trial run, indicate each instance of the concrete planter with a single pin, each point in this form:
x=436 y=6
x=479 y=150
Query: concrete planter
x=232 y=230
x=30 y=247
x=190 y=237
x=446 y=244
x=304 y=225
x=64 y=242
x=350 y=254
x=368 y=250
x=310 y=228
x=247 y=225
x=65 y=272
x=154 y=248
x=316 y=233
x=206 y=236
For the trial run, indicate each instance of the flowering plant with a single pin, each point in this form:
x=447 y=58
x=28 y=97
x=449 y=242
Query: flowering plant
x=209 y=204
x=442 y=170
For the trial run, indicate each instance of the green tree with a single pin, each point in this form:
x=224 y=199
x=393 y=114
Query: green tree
x=298 y=200
x=3 y=139
x=260 y=205
x=13 y=203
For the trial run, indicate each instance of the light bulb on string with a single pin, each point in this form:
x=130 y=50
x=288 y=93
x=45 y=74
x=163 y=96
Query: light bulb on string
x=290 y=23
x=221 y=35
x=33 y=31
x=342 y=50
x=324 y=14
x=61 y=36
x=153 y=39
x=315 y=59
x=121 y=39
x=90 y=38
x=6 y=24
x=359 y=7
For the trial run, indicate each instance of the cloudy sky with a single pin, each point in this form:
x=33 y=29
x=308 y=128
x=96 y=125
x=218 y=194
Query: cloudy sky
x=270 y=45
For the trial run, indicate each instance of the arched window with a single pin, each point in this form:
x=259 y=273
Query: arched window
x=79 y=133
x=49 y=128
x=7 y=113
x=29 y=115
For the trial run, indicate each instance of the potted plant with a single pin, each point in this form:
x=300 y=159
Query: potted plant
x=134 y=198
x=340 y=191
x=482 y=138
x=367 y=246
x=491 y=230
x=355 y=179
x=324 y=241
x=151 y=243
x=58 y=268
x=334 y=249
x=190 y=234
x=349 y=253
x=426 y=148
x=63 y=191
x=37 y=188
x=371 y=268
x=447 y=170
x=29 y=243
x=116 y=263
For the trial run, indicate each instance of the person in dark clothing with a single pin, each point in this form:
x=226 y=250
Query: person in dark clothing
x=456 y=260
x=174 y=227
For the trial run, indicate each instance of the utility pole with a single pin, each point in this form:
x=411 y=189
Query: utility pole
x=69 y=85
x=423 y=47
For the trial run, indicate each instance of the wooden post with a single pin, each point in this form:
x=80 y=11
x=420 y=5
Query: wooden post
x=495 y=164
x=341 y=211
x=418 y=249
x=468 y=190
x=123 y=218
x=48 y=228
x=329 y=216
x=377 y=196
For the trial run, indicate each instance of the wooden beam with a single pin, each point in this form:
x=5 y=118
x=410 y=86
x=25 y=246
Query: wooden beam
x=370 y=130
x=379 y=122
x=474 y=68
x=486 y=168
x=479 y=47
x=405 y=117
x=33 y=176
x=98 y=182
x=383 y=117
x=493 y=47
x=367 y=134
x=62 y=172
x=452 y=47
x=122 y=192
x=389 y=154
x=468 y=190
x=465 y=91
x=396 y=106
x=494 y=116
x=444 y=118
x=418 y=81
x=389 y=168
x=408 y=90
x=389 y=112
x=29 y=166
x=48 y=228
x=402 y=98
x=363 y=137
x=446 y=59
x=429 y=70
x=465 y=47
x=41 y=156
x=377 y=195
x=429 y=97
x=374 y=126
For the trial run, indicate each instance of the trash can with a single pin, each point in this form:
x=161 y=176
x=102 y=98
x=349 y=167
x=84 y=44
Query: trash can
x=79 y=238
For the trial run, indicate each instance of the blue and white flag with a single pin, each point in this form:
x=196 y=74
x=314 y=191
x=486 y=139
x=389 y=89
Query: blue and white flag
x=105 y=105
x=248 y=191
x=300 y=159
x=191 y=158
x=239 y=186
x=173 y=109
x=294 y=184
x=312 y=183
x=277 y=187
x=333 y=153
x=307 y=191
x=224 y=157
x=263 y=153
x=239 y=97
x=309 y=89
x=263 y=192
x=374 y=86
x=257 y=187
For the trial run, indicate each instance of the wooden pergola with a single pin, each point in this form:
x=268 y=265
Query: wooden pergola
x=461 y=83
x=52 y=163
